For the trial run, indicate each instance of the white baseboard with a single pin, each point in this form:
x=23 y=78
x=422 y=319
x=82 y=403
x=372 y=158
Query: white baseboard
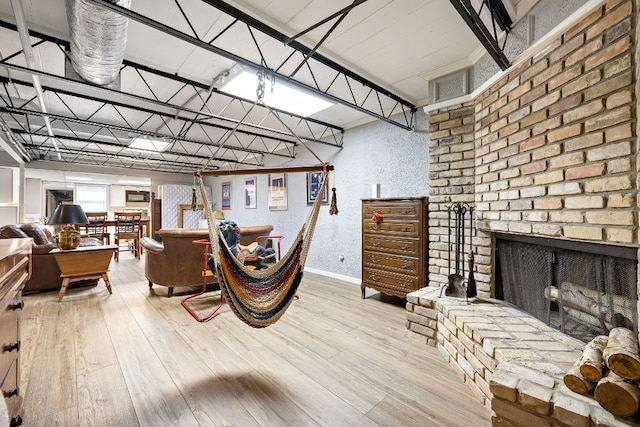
x=342 y=277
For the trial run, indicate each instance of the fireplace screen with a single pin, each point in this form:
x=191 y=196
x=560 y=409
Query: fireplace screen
x=584 y=293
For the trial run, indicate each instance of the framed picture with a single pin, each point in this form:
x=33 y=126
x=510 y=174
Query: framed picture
x=226 y=195
x=250 y=185
x=278 y=191
x=314 y=182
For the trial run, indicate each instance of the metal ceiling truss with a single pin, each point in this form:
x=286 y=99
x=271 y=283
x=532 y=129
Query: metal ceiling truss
x=251 y=141
x=282 y=143
x=363 y=95
x=97 y=135
x=500 y=19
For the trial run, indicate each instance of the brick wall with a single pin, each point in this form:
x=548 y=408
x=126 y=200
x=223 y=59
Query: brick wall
x=549 y=149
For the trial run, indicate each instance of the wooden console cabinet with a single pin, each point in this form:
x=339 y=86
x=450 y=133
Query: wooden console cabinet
x=394 y=249
x=15 y=270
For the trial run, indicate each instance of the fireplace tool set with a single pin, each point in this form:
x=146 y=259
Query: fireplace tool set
x=457 y=285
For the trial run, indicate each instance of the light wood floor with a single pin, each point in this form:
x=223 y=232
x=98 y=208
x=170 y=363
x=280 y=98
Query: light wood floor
x=138 y=358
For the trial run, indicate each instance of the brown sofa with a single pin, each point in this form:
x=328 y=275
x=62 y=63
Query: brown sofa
x=45 y=272
x=177 y=261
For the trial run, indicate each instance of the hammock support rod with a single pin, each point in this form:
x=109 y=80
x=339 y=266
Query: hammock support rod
x=293 y=169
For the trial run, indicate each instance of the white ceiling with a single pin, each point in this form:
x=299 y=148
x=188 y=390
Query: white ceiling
x=59 y=179
x=398 y=45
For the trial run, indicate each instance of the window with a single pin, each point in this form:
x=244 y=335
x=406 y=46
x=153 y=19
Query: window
x=92 y=198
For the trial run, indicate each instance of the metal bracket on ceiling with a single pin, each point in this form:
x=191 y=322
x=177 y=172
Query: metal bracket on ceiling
x=499 y=17
x=341 y=13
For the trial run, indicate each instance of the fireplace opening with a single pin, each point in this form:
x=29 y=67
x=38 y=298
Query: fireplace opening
x=583 y=289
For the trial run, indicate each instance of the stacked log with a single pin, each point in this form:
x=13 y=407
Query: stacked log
x=591 y=359
x=576 y=382
x=621 y=354
x=610 y=367
x=587 y=370
x=618 y=396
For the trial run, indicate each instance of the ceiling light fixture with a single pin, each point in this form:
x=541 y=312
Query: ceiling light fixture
x=148 y=144
x=78 y=178
x=282 y=97
x=133 y=182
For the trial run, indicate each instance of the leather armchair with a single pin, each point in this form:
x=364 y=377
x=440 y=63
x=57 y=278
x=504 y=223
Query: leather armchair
x=177 y=261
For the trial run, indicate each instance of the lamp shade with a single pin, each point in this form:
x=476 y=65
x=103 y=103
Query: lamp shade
x=68 y=214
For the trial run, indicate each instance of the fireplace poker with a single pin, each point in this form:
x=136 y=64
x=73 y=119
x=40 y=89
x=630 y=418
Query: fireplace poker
x=449 y=240
x=456 y=280
x=471 y=283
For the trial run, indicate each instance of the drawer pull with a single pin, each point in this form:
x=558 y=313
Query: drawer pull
x=17 y=305
x=9 y=393
x=11 y=347
x=375 y=260
x=404 y=265
x=375 y=243
x=403 y=247
x=373 y=277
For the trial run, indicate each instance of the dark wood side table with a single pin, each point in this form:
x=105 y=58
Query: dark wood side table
x=91 y=262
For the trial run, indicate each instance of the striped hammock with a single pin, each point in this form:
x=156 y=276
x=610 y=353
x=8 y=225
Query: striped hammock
x=260 y=297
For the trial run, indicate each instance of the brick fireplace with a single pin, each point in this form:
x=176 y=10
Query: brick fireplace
x=549 y=150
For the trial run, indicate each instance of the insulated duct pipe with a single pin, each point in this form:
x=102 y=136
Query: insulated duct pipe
x=11 y=145
x=98 y=40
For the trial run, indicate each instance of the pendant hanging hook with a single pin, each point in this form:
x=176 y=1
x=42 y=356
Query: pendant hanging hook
x=264 y=75
x=261 y=84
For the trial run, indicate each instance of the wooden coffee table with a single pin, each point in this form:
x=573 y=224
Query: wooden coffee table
x=90 y=262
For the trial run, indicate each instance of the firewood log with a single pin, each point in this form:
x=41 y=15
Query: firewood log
x=618 y=396
x=576 y=382
x=589 y=301
x=621 y=354
x=591 y=359
x=587 y=319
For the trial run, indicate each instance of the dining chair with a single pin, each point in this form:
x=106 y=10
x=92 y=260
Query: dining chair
x=96 y=227
x=128 y=229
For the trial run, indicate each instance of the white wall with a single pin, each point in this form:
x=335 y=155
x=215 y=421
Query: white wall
x=10 y=183
x=377 y=152
x=33 y=207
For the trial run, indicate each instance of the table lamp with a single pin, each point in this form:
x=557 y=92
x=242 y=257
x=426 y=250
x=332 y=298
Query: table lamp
x=68 y=215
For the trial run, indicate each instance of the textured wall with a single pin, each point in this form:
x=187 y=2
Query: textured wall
x=376 y=152
x=174 y=195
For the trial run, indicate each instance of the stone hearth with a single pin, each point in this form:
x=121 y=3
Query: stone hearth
x=511 y=361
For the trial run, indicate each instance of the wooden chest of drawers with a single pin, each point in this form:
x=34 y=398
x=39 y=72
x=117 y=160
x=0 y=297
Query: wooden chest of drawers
x=394 y=249
x=15 y=270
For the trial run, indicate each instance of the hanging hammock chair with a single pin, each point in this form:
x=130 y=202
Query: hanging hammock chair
x=260 y=297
